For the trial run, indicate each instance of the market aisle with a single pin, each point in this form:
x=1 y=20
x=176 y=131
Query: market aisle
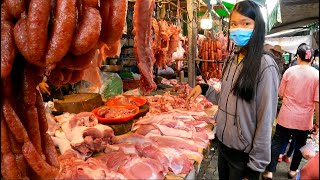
x=209 y=166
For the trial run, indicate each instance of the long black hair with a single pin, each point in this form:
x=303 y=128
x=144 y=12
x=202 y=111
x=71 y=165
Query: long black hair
x=245 y=85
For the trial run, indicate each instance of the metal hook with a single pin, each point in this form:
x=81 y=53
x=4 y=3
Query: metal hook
x=195 y=5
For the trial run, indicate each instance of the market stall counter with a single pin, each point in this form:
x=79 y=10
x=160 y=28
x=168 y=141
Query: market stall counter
x=166 y=140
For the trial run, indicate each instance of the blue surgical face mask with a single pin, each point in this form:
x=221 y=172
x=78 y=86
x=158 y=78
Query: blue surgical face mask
x=240 y=36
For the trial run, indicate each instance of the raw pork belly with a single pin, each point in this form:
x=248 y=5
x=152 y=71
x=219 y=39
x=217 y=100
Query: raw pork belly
x=142 y=168
x=72 y=167
x=177 y=160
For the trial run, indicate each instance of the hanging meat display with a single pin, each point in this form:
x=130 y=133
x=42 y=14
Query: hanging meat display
x=142 y=20
x=213 y=49
x=165 y=43
x=64 y=40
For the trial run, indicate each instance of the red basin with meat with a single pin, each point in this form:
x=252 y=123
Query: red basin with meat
x=115 y=113
x=126 y=100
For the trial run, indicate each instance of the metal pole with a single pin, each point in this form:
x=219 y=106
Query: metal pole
x=192 y=43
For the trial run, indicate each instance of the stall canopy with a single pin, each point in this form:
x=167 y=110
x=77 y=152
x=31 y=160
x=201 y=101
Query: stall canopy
x=289 y=14
x=290 y=44
x=228 y=5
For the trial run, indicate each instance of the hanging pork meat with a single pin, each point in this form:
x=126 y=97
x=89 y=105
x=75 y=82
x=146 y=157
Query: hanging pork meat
x=142 y=20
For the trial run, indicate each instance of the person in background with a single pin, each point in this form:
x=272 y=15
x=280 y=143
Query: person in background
x=50 y=92
x=277 y=52
x=310 y=171
x=294 y=61
x=247 y=100
x=299 y=88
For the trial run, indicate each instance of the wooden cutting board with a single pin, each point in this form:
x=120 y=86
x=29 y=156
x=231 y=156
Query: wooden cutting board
x=76 y=103
x=121 y=128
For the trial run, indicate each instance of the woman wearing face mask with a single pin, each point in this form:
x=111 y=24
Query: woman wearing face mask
x=247 y=100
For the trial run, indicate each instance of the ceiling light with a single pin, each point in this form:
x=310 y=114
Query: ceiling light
x=206 y=23
x=213 y=2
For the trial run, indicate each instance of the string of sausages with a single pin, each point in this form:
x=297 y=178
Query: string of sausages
x=56 y=38
x=213 y=49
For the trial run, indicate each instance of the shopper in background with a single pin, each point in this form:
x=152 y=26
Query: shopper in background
x=295 y=62
x=277 y=51
x=247 y=100
x=300 y=91
x=50 y=91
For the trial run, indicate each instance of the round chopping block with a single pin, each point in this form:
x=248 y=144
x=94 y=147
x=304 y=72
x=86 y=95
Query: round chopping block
x=76 y=103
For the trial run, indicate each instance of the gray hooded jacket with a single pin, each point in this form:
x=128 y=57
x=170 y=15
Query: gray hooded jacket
x=248 y=126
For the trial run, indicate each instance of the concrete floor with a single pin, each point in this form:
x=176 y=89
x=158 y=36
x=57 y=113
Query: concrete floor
x=209 y=166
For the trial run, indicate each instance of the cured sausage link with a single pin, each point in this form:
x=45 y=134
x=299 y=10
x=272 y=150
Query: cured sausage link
x=14 y=123
x=33 y=127
x=5 y=14
x=22 y=165
x=8 y=48
x=63 y=29
x=20 y=37
x=48 y=146
x=88 y=32
x=37 y=163
x=37 y=30
x=9 y=168
x=43 y=123
x=90 y=3
x=15 y=7
x=50 y=151
x=31 y=79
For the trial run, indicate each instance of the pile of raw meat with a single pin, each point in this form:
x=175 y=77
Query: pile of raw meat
x=169 y=82
x=216 y=83
x=65 y=40
x=167 y=102
x=158 y=145
x=214 y=49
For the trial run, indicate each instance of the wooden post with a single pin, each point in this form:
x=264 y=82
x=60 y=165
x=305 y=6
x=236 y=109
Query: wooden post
x=192 y=42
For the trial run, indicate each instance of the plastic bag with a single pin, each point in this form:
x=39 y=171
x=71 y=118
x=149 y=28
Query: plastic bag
x=85 y=87
x=111 y=85
x=308 y=151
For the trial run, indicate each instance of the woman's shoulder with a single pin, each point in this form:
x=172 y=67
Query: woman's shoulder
x=268 y=61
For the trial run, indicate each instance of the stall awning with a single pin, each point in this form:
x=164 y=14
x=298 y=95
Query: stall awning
x=290 y=44
x=293 y=14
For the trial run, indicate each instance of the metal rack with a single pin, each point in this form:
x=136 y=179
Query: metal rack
x=205 y=60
